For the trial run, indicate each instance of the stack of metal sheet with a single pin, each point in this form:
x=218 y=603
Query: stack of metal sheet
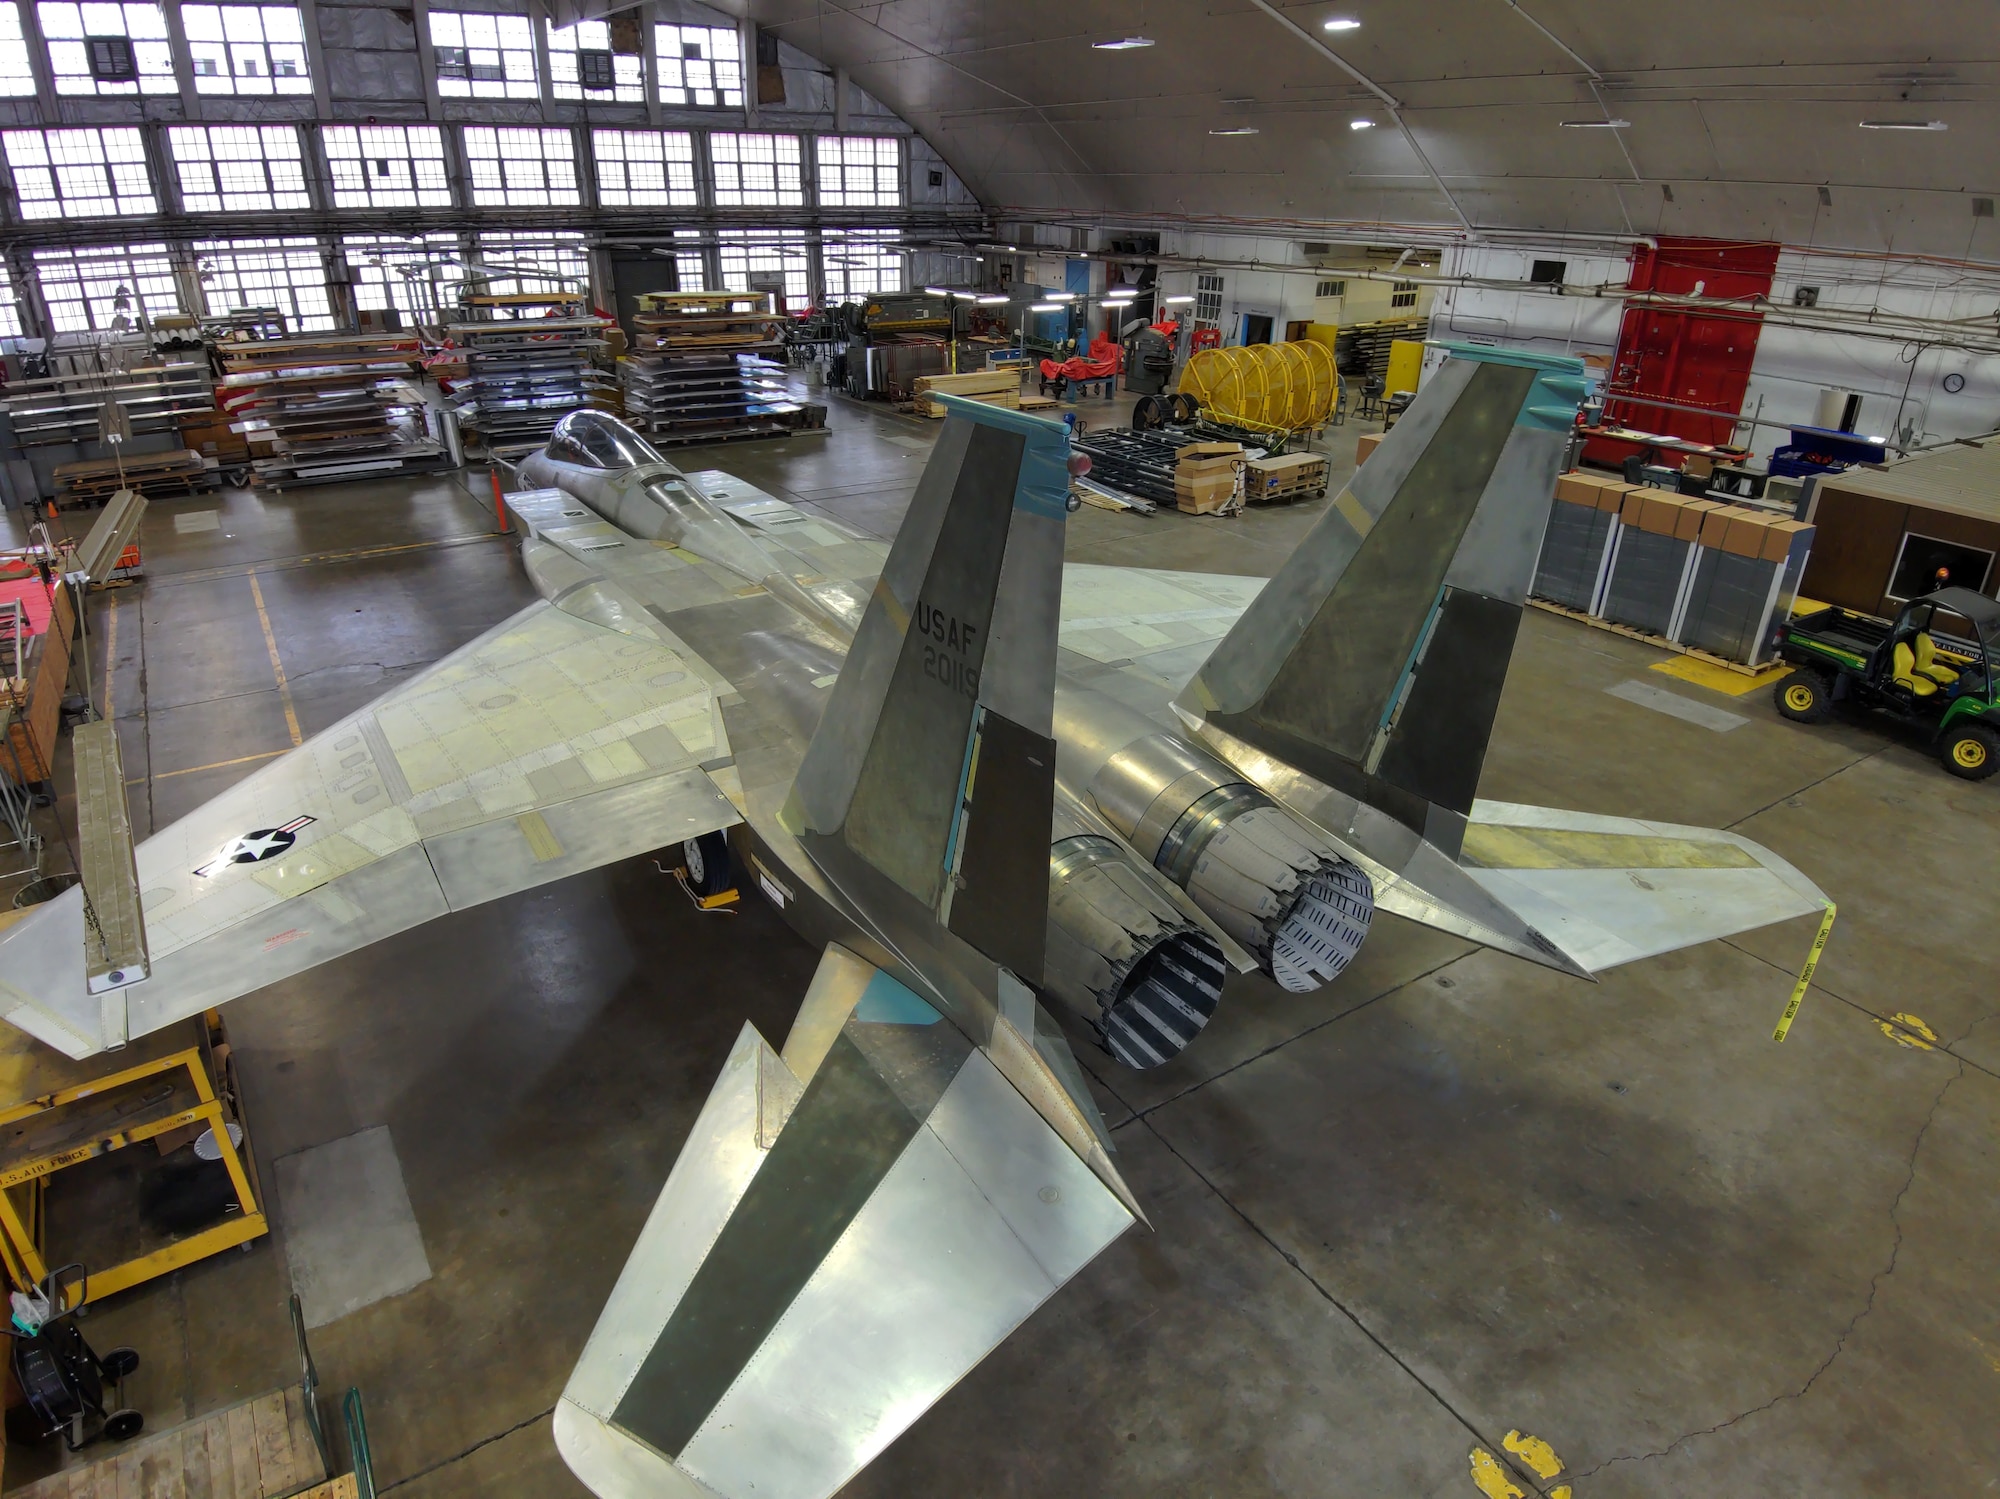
x=321 y=409
x=523 y=375
x=702 y=397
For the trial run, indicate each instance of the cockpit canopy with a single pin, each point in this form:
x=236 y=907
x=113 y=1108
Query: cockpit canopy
x=596 y=439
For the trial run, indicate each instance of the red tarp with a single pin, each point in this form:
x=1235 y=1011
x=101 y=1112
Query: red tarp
x=1106 y=359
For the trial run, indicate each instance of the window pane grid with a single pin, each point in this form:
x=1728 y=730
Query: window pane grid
x=628 y=69
x=67 y=27
x=700 y=66
x=690 y=265
x=860 y=171
x=520 y=264
x=419 y=277
x=246 y=49
x=482 y=56
x=239 y=168
x=645 y=168
x=286 y=274
x=17 y=72
x=756 y=171
x=763 y=254
x=84 y=287
x=520 y=168
x=387 y=166
x=861 y=263
x=85 y=173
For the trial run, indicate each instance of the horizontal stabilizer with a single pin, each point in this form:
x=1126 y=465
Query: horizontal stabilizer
x=1609 y=890
x=849 y=1229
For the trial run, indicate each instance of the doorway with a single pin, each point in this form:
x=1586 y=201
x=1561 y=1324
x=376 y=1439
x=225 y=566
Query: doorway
x=1256 y=328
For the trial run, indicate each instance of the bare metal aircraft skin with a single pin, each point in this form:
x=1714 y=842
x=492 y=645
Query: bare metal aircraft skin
x=985 y=783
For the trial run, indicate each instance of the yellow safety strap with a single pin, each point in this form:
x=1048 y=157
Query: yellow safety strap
x=1805 y=976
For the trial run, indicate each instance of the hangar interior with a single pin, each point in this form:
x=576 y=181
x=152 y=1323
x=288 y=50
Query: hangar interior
x=301 y=303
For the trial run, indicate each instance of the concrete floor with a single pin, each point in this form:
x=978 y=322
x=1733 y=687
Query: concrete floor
x=1447 y=1196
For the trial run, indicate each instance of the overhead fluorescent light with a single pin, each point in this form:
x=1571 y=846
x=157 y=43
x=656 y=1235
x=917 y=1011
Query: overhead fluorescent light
x=936 y=291
x=1904 y=125
x=1178 y=301
x=1123 y=44
x=993 y=301
x=1062 y=296
x=1236 y=130
x=1596 y=124
x=1341 y=23
x=1046 y=307
x=966 y=296
x=1360 y=124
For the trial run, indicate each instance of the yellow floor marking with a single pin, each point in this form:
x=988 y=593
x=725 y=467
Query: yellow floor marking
x=188 y=770
x=1560 y=1491
x=1904 y=1030
x=1805 y=977
x=277 y=666
x=1537 y=1454
x=1720 y=678
x=1491 y=1479
x=1802 y=606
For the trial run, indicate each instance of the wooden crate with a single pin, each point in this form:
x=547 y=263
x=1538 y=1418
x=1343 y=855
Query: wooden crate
x=1288 y=476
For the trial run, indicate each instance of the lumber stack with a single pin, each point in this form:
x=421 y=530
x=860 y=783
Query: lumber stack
x=708 y=322
x=990 y=387
x=172 y=475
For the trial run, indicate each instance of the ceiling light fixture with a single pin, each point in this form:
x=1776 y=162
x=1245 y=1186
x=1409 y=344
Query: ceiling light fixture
x=1341 y=23
x=1360 y=124
x=993 y=301
x=1596 y=124
x=1178 y=301
x=1236 y=130
x=1123 y=44
x=936 y=291
x=1062 y=296
x=1045 y=307
x=1904 y=125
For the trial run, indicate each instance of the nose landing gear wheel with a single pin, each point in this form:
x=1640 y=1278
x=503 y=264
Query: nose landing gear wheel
x=707 y=860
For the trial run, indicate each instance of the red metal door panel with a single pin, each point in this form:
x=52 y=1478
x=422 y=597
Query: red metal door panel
x=1691 y=358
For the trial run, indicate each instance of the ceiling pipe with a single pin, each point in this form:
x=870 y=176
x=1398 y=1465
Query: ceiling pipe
x=1389 y=101
x=1596 y=92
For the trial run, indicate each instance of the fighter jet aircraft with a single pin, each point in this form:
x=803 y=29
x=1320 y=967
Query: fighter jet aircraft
x=983 y=783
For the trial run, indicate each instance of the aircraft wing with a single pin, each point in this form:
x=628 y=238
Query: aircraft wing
x=849 y=1229
x=548 y=746
x=1139 y=633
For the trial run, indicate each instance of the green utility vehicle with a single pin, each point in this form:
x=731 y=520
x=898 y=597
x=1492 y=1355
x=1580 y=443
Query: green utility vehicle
x=1931 y=668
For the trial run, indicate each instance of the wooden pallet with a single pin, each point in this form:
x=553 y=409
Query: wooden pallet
x=1646 y=637
x=260 y=1449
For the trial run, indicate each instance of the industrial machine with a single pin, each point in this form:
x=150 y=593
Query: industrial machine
x=1149 y=361
x=893 y=340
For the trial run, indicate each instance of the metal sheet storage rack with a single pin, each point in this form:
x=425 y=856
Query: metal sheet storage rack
x=523 y=375
x=326 y=408
x=710 y=365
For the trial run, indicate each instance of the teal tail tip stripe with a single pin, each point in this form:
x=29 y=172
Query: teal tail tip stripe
x=1554 y=364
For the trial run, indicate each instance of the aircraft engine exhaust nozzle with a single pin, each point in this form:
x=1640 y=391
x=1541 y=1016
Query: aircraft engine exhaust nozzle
x=1121 y=955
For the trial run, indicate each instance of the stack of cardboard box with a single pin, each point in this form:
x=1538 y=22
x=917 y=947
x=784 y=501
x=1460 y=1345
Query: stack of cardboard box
x=1208 y=477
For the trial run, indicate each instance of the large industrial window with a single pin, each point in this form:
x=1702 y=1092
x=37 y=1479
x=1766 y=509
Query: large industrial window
x=283 y=275
x=1329 y=289
x=483 y=57
x=756 y=171
x=520 y=264
x=106 y=48
x=861 y=263
x=17 y=72
x=598 y=60
x=1207 y=301
x=860 y=171
x=762 y=259
x=644 y=168
x=93 y=172
x=420 y=276
x=239 y=168
x=510 y=167
x=387 y=166
x=690 y=265
x=1403 y=294
x=700 y=66
x=11 y=325
x=106 y=288
x=246 y=49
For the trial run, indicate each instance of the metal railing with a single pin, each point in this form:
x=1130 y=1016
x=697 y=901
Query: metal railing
x=360 y=1457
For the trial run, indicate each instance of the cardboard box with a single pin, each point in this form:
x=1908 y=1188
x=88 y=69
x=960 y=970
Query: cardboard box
x=1749 y=532
x=1780 y=536
x=1693 y=512
x=1204 y=499
x=1611 y=494
x=1206 y=466
x=1577 y=489
x=1365 y=444
x=1209 y=450
x=1660 y=512
x=1715 y=525
x=1632 y=506
x=1698 y=466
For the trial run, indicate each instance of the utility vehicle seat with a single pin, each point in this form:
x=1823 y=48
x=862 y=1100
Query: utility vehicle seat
x=1928 y=664
x=1905 y=671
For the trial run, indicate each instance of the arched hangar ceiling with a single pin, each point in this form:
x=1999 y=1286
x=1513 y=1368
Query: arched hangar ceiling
x=1745 y=120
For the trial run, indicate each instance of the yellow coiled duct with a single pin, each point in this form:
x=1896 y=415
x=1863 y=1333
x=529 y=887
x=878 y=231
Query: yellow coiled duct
x=1269 y=387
